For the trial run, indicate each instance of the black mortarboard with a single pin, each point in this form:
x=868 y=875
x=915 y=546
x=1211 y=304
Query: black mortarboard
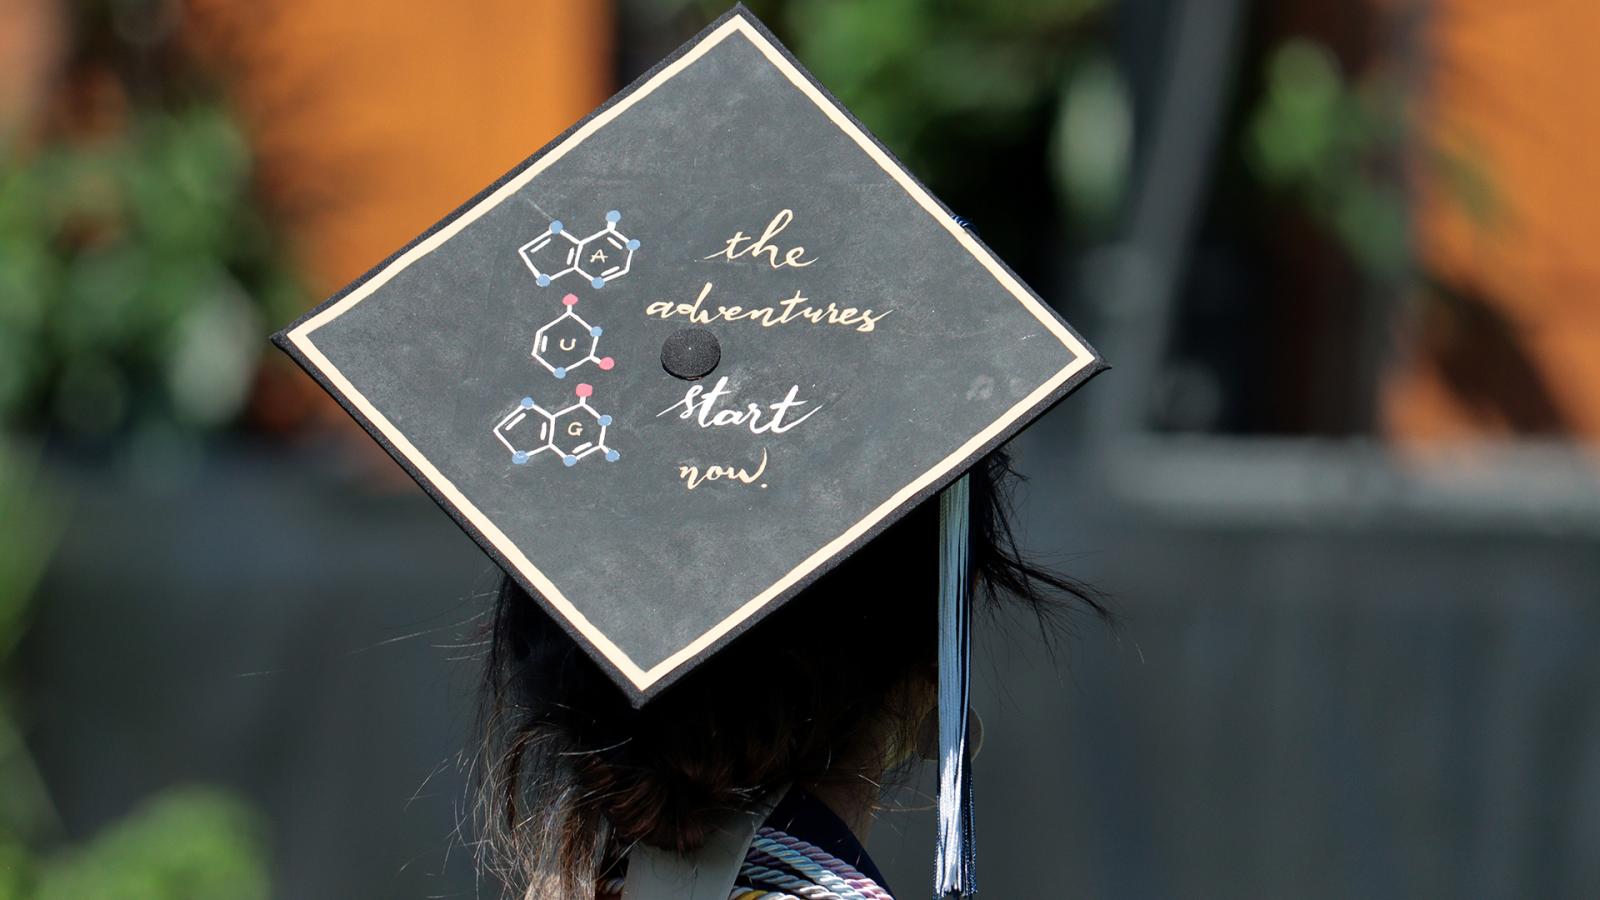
x=691 y=354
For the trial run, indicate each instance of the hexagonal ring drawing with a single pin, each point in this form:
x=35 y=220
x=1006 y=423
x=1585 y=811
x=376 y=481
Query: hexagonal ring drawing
x=598 y=259
x=567 y=342
x=571 y=433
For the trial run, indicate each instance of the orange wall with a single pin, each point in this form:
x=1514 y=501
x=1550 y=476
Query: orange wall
x=1514 y=94
x=373 y=120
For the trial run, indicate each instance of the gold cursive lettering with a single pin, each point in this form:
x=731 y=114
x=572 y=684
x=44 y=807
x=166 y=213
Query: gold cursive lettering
x=699 y=404
x=791 y=309
x=693 y=478
x=793 y=257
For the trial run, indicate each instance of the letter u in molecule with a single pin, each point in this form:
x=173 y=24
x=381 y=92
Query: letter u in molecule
x=567 y=342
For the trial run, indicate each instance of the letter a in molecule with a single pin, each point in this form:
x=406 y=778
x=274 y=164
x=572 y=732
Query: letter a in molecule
x=598 y=259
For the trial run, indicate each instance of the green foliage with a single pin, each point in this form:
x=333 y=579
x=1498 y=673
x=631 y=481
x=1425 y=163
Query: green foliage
x=24 y=504
x=1333 y=145
x=32 y=523
x=134 y=272
x=187 y=844
x=184 y=844
x=1092 y=143
x=940 y=80
x=924 y=75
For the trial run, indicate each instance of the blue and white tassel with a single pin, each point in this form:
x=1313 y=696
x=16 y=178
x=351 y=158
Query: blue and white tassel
x=953 y=860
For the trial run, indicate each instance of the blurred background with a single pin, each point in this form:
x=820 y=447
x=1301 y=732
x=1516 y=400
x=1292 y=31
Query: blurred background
x=1343 y=482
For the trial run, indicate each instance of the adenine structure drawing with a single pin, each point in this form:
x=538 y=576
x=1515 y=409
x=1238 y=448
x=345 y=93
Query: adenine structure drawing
x=571 y=433
x=567 y=342
x=600 y=258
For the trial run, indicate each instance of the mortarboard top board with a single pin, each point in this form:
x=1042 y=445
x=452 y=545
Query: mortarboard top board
x=691 y=354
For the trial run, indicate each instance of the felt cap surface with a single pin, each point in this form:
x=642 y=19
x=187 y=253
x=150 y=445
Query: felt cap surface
x=690 y=355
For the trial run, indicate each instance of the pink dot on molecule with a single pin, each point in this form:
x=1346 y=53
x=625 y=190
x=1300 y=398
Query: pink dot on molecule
x=607 y=362
x=569 y=300
x=584 y=390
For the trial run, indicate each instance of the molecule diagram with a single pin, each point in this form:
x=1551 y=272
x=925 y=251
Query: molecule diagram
x=567 y=342
x=599 y=258
x=571 y=433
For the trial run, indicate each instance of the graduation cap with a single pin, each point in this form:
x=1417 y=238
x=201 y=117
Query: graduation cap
x=692 y=354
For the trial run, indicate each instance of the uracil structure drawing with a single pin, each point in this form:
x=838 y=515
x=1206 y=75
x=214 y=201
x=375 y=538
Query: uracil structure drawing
x=567 y=342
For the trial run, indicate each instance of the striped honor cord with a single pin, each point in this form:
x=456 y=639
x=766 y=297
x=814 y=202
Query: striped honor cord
x=779 y=866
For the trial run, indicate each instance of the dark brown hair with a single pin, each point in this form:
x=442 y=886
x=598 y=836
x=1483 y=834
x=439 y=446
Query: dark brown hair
x=571 y=775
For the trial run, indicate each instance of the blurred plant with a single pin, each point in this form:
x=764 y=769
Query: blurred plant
x=133 y=272
x=913 y=69
x=1092 y=144
x=184 y=844
x=32 y=527
x=1333 y=144
x=135 y=268
x=24 y=550
x=133 y=276
x=944 y=83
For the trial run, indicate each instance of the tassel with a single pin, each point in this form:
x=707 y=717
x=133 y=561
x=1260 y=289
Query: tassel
x=953 y=862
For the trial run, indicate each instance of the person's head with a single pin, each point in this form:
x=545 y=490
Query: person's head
x=828 y=690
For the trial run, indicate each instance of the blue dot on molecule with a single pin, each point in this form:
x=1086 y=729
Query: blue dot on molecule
x=560 y=372
x=605 y=420
x=570 y=460
x=613 y=216
x=555 y=227
x=596 y=331
x=544 y=280
x=633 y=243
x=611 y=456
x=520 y=457
x=527 y=403
x=598 y=282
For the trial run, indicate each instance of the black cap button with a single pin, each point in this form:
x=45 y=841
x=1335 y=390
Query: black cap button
x=690 y=353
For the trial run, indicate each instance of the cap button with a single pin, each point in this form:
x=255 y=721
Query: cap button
x=690 y=353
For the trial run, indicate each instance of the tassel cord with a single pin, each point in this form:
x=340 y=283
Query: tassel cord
x=953 y=862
